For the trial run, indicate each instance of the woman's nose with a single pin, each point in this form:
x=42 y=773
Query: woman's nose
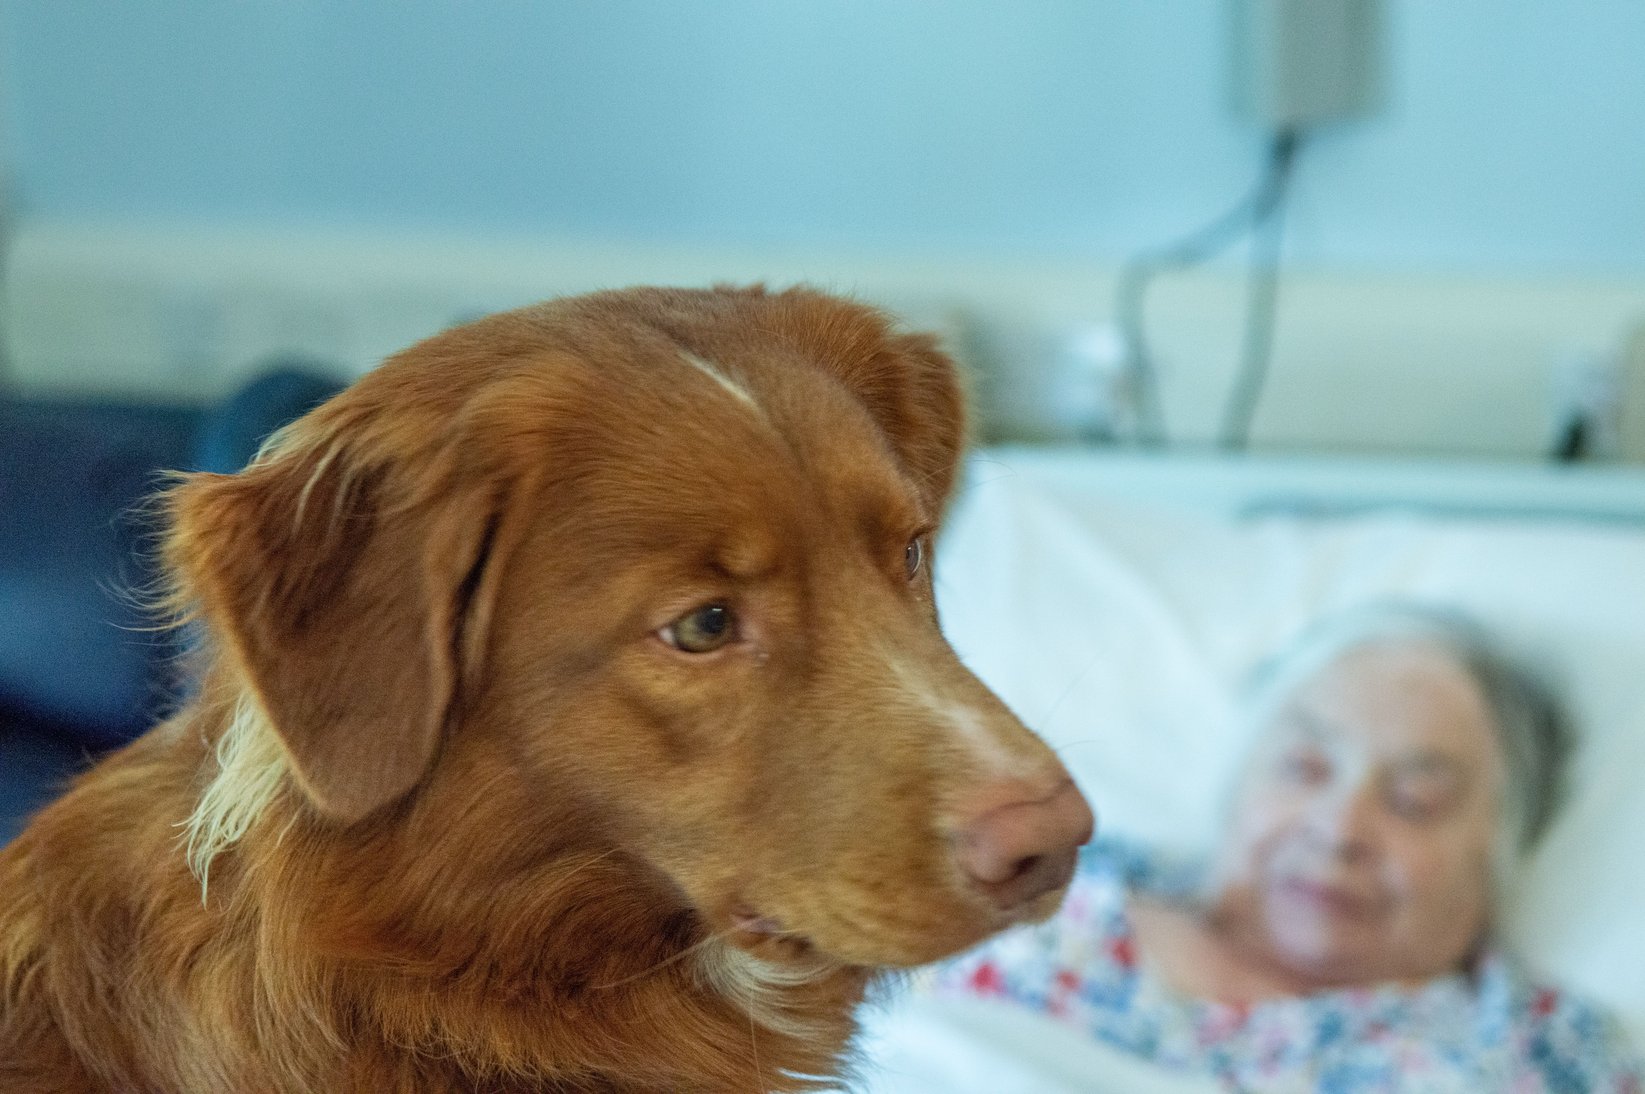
x=1345 y=821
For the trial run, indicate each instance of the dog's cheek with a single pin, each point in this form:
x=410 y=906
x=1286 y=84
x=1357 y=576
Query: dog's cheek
x=662 y=757
x=721 y=796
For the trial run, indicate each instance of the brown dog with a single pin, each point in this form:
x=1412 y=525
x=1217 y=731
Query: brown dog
x=575 y=718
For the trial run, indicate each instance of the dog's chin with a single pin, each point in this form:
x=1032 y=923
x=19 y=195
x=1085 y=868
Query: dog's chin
x=909 y=936
x=766 y=937
x=962 y=929
x=794 y=942
x=780 y=948
x=1038 y=910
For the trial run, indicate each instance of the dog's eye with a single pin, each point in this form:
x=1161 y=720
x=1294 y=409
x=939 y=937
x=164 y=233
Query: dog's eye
x=913 y=557
x=702 y=631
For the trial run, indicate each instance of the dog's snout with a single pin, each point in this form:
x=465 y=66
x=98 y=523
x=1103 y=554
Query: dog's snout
x=1022 y=844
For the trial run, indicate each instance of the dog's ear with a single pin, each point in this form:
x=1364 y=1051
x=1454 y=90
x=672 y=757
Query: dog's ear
x=913 y=391
x=349 y=575
x=926 y=417
x=910 y=387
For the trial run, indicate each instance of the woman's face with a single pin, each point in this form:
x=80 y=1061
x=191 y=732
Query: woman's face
x=1361 y=843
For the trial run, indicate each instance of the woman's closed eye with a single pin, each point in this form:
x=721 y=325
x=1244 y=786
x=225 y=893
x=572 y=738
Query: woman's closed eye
x=1422 y=797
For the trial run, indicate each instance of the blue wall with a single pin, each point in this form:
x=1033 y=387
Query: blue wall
x=1513 y=139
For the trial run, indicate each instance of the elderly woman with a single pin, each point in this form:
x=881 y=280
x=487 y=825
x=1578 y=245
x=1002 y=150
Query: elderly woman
x=1341 y=938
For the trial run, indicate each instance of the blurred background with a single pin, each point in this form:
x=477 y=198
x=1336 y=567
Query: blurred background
x=195 y=189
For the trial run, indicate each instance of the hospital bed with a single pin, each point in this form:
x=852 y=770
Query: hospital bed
x=1116 y=600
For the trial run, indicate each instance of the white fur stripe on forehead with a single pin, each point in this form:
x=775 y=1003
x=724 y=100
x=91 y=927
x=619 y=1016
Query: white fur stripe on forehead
x=730 y=386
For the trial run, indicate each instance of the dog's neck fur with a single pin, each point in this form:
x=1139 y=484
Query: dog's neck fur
x=414 y=955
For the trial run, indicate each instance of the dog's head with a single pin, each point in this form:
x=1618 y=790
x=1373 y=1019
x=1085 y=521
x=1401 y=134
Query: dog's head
x=663 y=559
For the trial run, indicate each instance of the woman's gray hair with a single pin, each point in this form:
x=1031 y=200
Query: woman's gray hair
x=1531 y=728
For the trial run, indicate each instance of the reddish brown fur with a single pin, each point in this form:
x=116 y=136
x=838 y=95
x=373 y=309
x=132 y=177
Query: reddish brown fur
x=507 y=817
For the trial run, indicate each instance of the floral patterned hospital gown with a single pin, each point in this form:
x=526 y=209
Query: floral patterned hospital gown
x=1492 y=1030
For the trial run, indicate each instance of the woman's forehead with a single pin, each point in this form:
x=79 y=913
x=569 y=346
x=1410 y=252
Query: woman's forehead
x=1411 y=700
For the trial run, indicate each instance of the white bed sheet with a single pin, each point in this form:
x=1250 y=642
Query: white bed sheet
x=979 y=1046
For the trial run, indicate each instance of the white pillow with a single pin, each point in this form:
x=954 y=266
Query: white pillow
x=1122 y=631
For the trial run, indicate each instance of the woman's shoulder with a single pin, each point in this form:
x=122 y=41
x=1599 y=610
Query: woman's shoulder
x=1497 y=1023
x=1569 y=1041
x=1496 y=1029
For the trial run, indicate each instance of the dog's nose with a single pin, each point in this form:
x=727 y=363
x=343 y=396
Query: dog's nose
x=1024 y=840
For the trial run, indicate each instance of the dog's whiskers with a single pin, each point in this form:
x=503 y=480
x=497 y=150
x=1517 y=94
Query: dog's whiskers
x=1066 y=746
x=754 y=1049
x=718 y=936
